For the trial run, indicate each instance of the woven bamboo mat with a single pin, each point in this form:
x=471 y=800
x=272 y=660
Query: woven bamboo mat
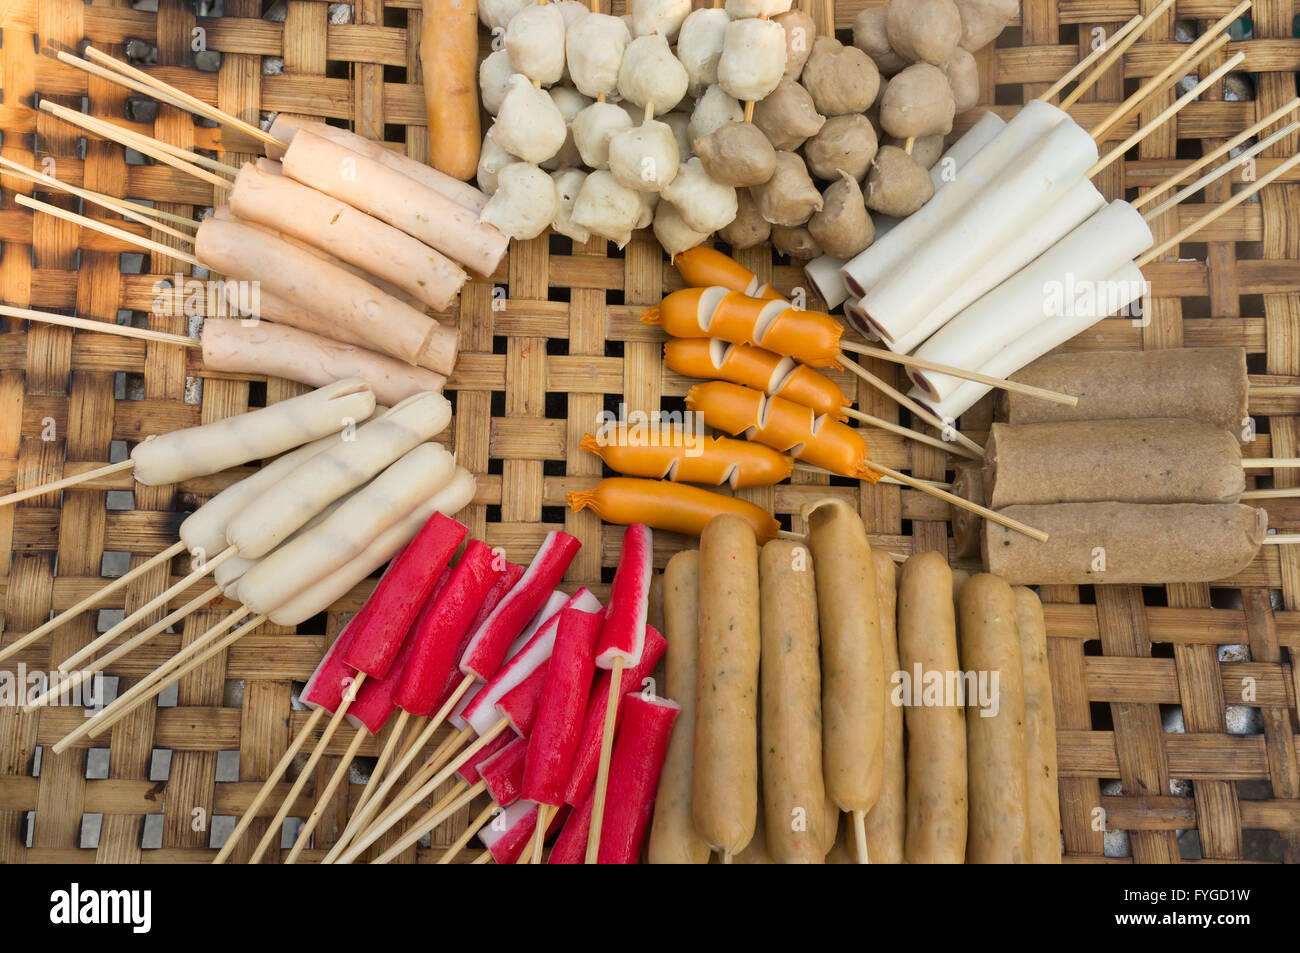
x=549 y=342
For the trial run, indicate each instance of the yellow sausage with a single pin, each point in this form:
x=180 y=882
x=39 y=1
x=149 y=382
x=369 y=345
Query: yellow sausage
x=674 y=507
x=1040 y=732
x=686 y=457
x=715 y=359
x=887 y=821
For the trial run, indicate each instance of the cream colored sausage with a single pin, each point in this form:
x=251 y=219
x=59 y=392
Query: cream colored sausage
x=279 y=351
x=1040 y=732
x=887 y=821
x=281 y=509
x=211 y=448
x=388 y=195
x=853 y=679
x=794 y=794
x=725 y=785
x=246 y=254
x=673 y=838
x=278 y=201
x=319 y=596
x=998 y=830
x=380 y=504
x=272 y=308
x=830 y=826
x=285 y=127
x=936 y=734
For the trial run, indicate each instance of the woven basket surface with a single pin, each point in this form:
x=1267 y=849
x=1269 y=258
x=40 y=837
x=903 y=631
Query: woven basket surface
x=1162 y=758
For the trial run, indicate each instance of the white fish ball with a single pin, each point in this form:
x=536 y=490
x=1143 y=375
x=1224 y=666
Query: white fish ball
x=529 y=124
x=524 y=202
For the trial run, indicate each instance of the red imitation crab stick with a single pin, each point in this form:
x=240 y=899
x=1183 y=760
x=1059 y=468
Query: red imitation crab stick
x=686 y=457
x=702 y=266
x=674 y=507
x=713 y=359
x=810 y=337
x=783 y=425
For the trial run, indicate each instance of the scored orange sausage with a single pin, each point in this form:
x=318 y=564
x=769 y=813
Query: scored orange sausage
x=685 y=457
x=674 y=507
x=702 y=266
x=783 y=425
x=715 y=359
x=810 y=337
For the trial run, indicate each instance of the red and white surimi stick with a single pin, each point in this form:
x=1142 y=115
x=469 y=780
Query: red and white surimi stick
x=633 y=781
x=558 y=727
x=508 y=834
x=474 y=770
x=503 y=776
x=519 y=705
x=622 y=641
x=582 y=777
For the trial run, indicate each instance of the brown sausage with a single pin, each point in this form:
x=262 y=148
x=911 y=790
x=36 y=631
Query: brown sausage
x=1040 y=732
x=886 y=823
x=794 y=795
x=936 y=735
x=853 y=680
x=673 y=839
x=998 y=827
x=725 y=784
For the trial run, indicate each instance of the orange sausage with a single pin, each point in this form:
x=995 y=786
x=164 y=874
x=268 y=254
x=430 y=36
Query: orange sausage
x=449 y=61
x=674 y=507
x=810 y=337
x=714 y=359
x=684 y=457
x=783 y=425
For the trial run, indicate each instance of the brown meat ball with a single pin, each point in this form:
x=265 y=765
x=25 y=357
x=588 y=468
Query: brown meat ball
x=737 y=154
x=869 y=36
x=842 y=228
x=918 y=102
x=788 y=198
x=897 y=184
x=845 y=144
x=795 y=241
x=787 y=116
x=841 y=79
x=964 y=78
x=749 y=227
x=923 y=30
x=983 y=20
x=926 y=150
x=800 y=31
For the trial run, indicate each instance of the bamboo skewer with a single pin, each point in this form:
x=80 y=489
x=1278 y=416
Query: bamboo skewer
x=483 y=858
x=467 y=835
x=377 y=773
x=340 y=772
x=99 y=327
x=106 y=229
x=890 y=427
x=1270 y=463
x=1231 y=63
x=271 y=780
x=1001 y=383
x=602 y=769
x=532 y=854
x=809 y=468
x=1116 y=49
x=68 y=614
x=1210 y=37
x=1217 y=153
x=1282 y=539
x=1078 y=68
x=317 y=753
x=460 y=797
x=955 y=500
x=911 y=405
x=26 y=494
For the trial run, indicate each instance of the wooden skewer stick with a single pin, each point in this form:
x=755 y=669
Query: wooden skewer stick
x=1219 y=211
x=483 y=858
x=1231 y=63
x=467 y=835
x=19 y=495
x=1270 y=463
x=77 y=658
x=340 y=772
x=367 y=808
x=131 y=140
x=1211 y=38
x=381 y=764
x=1261 y=390
x=955 y=500
x=533 y=854
x=901 y=398
x=602 y=770
x=890 y=427
x=273 y=831
x=860 y=836
x=1282 y=539
x=1114 y=50
x=99 y=327
x=269 y=785
x=378 y=830
x=1271 y=493
x=121 y=234
x=161 y=677
x=1221 y=151
x=115 y=77
x=1233 y=163
x=180 y=96
x=459 y=797
x=100 y=664
x=76 y=610
x=809 y=468
x=137 y=213
x=1002 y=383
x=1077 y=69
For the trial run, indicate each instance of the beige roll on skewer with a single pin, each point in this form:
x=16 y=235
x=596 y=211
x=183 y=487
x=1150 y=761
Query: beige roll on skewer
x=1147 y=460
x=274 y=350
x=278 y=201
x=1040 y=732
x=378 y=190
x=887 y=821
x=1136 y=543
